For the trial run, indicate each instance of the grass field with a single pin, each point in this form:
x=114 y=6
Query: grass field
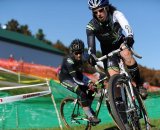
x=155 y=123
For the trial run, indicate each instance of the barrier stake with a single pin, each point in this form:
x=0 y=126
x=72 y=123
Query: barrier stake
x=55 y=106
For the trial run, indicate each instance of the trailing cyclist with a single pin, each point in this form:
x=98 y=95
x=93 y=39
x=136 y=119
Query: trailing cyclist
x=72 y=78
x=107 y=25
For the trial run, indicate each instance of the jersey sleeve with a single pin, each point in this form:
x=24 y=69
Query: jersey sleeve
x=90 y=39
x=120 y=18
x=72 y=71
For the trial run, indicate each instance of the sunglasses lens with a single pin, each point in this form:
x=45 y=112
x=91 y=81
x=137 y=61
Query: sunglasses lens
x=100 y=11
x=76 y=53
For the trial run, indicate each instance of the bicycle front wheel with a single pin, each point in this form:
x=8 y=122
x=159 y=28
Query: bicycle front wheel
x=72 y=113
x=128 y=114
x=140 y=121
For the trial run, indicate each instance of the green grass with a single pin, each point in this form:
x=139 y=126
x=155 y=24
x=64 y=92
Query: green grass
x=153 y=94
x=110 y=126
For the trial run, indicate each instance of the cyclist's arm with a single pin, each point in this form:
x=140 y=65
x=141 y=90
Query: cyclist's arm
x=72 y=71
x=120 y=18
x=91 y=39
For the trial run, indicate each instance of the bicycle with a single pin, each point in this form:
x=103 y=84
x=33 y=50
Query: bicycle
x=127 y=107
x=72 y=113
x=128 y=113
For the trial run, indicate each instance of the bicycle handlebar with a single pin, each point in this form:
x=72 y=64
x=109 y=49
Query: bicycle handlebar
x=101 y=80
x=135 y=54
x=116 y=52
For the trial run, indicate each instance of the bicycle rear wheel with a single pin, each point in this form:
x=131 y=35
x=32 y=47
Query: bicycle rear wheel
x=128 y=115
x=72 y=113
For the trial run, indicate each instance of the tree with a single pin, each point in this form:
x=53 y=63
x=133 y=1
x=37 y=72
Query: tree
x=13 y=25
x=25 y=30
x=59 y=45
x=40 y=35
x=98 y=54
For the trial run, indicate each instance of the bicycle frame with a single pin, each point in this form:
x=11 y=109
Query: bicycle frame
x=130 y=94
x=121 y=66
x=78 y=106
x=100 y=101
x=98 y=106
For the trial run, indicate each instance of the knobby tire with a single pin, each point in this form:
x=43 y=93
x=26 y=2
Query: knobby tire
x=113 y=82
x=67 y=108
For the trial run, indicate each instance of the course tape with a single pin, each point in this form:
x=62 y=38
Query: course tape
x=3 y=69
x=23 y=96
x=24 y=86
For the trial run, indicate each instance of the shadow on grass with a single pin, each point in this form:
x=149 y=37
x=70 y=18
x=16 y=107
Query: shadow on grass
x=112 y=128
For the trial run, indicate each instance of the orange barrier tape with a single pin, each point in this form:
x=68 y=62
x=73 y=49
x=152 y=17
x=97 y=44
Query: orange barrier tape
x=29 y=68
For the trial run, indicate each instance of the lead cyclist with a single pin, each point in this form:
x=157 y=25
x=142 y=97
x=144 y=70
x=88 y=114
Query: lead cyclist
x=108 y=25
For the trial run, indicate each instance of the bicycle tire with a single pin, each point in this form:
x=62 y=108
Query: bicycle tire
x=117 y=113
x=67 y=107
x=144 y=119
x=111 y=89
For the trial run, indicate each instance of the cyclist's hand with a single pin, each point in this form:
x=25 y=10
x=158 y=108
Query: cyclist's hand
x=92 y=87
x=130 y=40
x=91 y=60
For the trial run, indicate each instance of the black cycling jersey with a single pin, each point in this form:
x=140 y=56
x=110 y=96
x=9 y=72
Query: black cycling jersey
x=108 y=33
x=71 y=69
x=72 y=78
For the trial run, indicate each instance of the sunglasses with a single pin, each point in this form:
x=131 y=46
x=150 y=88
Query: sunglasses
x=100 y=11
x=78 y=52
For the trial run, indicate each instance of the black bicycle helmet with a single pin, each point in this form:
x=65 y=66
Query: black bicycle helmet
x=77 y=45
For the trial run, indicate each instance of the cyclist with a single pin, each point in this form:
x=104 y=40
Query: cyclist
x=107 y=25
x=72 y=78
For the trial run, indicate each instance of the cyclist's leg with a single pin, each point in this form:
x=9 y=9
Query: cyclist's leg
x=72 y=86
x=90 y=94
x=131 y=65
x=134 y=71
x=113 y=68
x=112 y=65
